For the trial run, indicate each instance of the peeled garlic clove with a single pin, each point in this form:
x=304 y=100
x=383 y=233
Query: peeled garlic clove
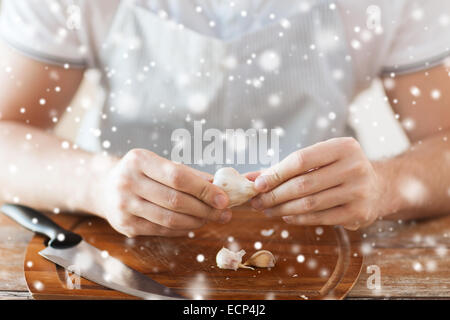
x=261 y=259
x=238 y=188
x=227 y=259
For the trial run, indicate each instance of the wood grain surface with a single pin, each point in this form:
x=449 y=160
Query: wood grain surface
x=332 y=261
x=394 y=247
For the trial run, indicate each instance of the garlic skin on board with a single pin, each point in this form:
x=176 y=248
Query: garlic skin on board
x=261 y=259
x=227 y=259
x=238 y=188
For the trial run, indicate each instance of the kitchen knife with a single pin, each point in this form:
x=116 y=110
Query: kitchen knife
x=70 y=251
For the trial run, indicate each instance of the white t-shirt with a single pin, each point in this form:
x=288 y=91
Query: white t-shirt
x=342 y=46
x=385 y=36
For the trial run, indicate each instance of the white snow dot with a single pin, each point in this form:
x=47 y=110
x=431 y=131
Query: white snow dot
x=42 y=101
x=197 y=103
x=61 y=237
x=409 y=124
x=269 y=61
x=34 y=221
x=106 y=144
x=38 y=285
x=415 y=91
x=200 y=258
x=431 y=266
x=356 y=44
x=285 y=23
x=417 y=266
x=319 y=231
x=435 y=94
x=417 y=14
x=300 y=258
x=284 y=234
x=65 y=145
x=258 y=245
x=322 y=122
x=105 y=254
x=274 y=100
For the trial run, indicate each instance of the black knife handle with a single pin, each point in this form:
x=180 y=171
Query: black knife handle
x=38 y=222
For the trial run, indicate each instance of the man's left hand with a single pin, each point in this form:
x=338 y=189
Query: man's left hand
x=329 y=183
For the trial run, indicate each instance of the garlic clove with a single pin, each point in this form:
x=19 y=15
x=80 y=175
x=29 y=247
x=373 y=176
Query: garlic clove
x=261 y=259
x=227 y=259
x=238 y=188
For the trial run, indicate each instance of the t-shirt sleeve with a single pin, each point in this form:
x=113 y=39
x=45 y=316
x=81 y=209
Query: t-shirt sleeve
x=48 y=31
x=422 y=39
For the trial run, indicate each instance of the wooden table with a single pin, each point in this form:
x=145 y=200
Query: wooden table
x=413 y=259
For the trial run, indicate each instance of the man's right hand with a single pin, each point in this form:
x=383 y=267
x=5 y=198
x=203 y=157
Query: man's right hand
x=145 y=194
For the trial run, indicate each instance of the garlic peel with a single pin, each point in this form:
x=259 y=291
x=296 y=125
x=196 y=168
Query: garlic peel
x=238 y=188
x=261 y=259
x=227 y=259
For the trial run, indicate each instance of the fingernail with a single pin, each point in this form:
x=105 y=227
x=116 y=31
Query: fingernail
x=260 y=183
x=225 y=216
x=220 y=201
x=256 y=204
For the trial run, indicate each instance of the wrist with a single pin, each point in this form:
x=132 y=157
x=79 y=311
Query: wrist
x=99 y=168
x=388 y=201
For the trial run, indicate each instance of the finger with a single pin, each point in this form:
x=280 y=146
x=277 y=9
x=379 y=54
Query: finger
x=303 y=185
x=163 y=217
x=177 y=201
x=312 y=203
x=179 y=177
x=298 y=162
x=141 y=227
x=333 y=216
x=252 y=175
x=204 y=175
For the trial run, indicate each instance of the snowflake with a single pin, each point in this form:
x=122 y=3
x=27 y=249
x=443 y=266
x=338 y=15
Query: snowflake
x=284 y=234
x=435 y=94
x=197 y=103
x=269 y=61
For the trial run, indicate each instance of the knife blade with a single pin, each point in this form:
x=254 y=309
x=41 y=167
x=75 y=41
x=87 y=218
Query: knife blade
x=71 y=252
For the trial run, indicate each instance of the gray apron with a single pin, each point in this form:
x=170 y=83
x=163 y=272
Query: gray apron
x=294 y=77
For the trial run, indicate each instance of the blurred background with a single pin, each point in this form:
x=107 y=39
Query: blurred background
x=371 y=116
x=379 y=132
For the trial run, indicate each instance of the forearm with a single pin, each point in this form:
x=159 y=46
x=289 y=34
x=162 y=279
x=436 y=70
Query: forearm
x=42 y=171
x=416 y=183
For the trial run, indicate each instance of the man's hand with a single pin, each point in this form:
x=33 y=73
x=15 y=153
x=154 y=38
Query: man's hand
x=144 y=194
x=329 y=183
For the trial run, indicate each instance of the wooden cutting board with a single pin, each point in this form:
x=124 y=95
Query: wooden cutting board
x=332 y=260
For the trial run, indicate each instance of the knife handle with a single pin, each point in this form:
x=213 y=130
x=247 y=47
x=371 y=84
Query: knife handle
x=38 y=222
